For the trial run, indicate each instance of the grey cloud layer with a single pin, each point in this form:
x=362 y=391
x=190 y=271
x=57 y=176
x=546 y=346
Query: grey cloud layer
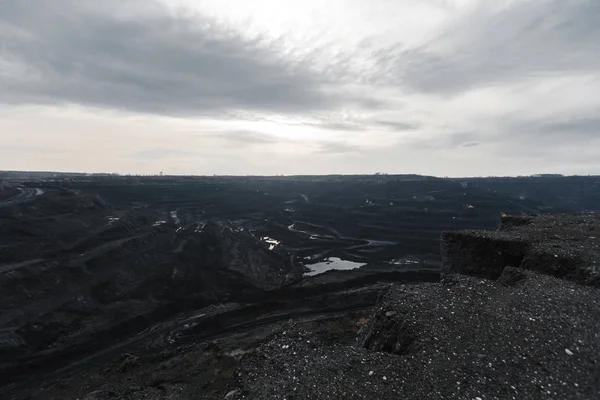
x=451 y=140
x=71 y=52
x=490 y=46
x=508 y=135
x=363 y=125
x=138 y=57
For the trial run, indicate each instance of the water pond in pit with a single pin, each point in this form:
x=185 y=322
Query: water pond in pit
x=331 y=263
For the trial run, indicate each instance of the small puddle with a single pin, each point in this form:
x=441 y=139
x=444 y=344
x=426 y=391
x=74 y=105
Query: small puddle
x=331 y=263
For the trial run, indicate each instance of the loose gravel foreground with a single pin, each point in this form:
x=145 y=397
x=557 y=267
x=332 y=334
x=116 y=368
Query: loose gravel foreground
x=464 y=338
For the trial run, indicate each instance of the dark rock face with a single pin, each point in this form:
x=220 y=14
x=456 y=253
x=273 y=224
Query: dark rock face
x=509 y=221
x=389 y=332
x=563 y=246
x=511 y=276
x=219 y=250
x=480 y=253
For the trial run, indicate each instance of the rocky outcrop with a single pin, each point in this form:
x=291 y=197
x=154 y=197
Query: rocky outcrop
x=236 y=256
x=563 y=246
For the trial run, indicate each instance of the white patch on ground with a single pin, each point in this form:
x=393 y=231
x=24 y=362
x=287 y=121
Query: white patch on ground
x=405 y=261
x=200 y=226
x=175 y=217
x=272 y=242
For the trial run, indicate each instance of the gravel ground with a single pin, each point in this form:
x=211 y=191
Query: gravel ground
x=525 y=336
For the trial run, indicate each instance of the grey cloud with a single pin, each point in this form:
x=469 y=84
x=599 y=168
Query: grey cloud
x=338 y=148
x=588 y=127
x=245 y=137
x=401 y=126
x=562 y=130
x=71 y=51
x=341 y=126
x=450 y=140
x=460 y=139
x=365 y=125
x=538 y=138
x=512 y=134
x=498 y=44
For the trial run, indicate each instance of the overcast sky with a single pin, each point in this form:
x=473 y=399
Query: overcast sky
x=436 y=87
